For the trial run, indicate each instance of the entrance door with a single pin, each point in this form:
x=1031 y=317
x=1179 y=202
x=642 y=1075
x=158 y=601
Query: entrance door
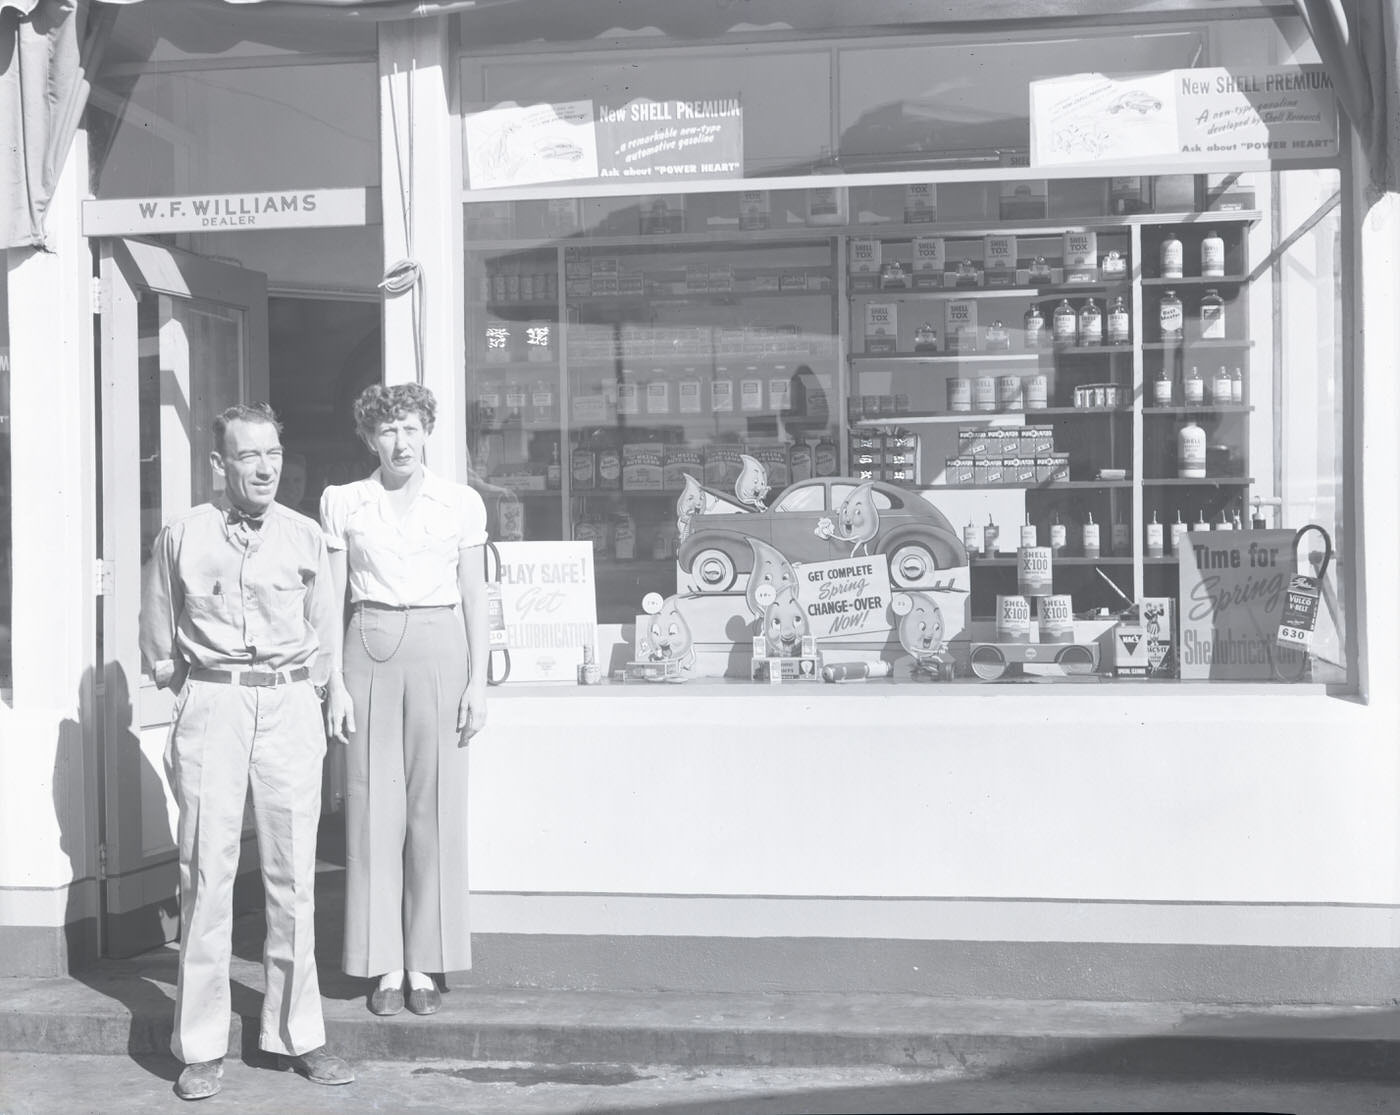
x=183 y=337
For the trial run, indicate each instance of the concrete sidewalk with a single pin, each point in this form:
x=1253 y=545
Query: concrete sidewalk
x=124 y=1007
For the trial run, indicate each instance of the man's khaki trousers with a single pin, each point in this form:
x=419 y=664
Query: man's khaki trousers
x=225 y=739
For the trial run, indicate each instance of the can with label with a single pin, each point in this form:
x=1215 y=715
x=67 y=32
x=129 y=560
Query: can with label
x=959 y=394
x=1037 y=391
x=1013 y=619
x=972 y=539
x=1009 y=392
x=984 y=393
x=1056 y=619
x=1033 y=570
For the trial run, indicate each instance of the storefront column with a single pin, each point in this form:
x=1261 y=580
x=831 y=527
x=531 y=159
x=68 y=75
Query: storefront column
x=422 y=224
x=48 y=836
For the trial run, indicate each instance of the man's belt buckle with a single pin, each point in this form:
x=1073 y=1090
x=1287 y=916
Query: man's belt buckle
x=257 y=677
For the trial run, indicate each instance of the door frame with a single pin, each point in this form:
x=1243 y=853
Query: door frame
x=139 y=872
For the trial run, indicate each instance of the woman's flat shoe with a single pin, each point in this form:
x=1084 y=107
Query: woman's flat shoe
x=424 y=1000
x=386 y=1000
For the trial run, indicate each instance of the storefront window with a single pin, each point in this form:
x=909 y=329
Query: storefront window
x=180 y=74
x=1003 y=428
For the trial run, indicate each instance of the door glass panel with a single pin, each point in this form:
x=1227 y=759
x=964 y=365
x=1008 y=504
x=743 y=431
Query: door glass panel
x=182 y=342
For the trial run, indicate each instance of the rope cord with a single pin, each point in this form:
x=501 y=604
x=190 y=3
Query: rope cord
x=406 y=276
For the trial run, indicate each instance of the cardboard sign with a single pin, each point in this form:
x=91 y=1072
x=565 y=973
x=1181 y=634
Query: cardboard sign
x=845 y=596
x=1276 y=112
x=517 y=145
x=1233 y=585
x=550 y=607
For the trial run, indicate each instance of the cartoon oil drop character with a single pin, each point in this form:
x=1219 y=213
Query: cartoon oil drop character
x=857 y=520
x=667 y=637
x=693 y=500
x=784 y=624
x=921 y=628
x=921 y=632
x=769 y=568
x=752 y=485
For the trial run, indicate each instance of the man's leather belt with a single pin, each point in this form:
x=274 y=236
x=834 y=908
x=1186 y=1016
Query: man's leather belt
x=261 y=678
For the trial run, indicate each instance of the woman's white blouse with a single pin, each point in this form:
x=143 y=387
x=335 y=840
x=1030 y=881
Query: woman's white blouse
x=408 y=561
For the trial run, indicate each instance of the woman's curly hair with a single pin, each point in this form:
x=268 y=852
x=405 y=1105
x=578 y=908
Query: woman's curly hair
x=378 y=404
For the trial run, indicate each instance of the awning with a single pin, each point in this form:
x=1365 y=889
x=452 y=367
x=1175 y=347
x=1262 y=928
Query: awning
x=49 y=47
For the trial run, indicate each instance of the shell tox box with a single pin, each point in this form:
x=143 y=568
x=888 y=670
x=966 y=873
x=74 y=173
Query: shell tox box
x=866 y=256
x=960 y=324
x=1081 y=256
x=881 y=327
x=755 y=210
x=929 y=262
x=999 y=261
x=920 y=203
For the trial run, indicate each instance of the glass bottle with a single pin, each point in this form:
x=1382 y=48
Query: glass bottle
x=966 y=274
x=1191 y=451
x=543 y=412
x=1171 y=318
x=517 y=401
x=1194 y=389
x=629 y=401
x=1236 y=386
x=1212 y=256
x=722 y=391
x=1212 y=316
x=1221 y=388
x=998 y=340
x=1090 y=325
x=1034 y=325
x=1040 y=274
x=1163 y=387
x=1065 y=324
x=751 y=389
x=658 y=392
x=689 y=392
x=1171 y=257
x=488 y=404
x=1119 y=322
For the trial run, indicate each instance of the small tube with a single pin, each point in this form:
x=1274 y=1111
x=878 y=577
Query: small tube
x=856 y=671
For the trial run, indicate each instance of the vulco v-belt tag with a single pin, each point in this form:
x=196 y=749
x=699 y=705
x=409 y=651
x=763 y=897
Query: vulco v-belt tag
x=1300 y=602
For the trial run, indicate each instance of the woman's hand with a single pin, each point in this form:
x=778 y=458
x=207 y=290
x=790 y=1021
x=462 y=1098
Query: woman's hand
x=340 y=710
x=471 y=713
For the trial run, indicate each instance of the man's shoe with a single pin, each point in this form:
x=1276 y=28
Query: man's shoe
x=424 y=1000
x=386 y=1000
x=319 y=1066
x=200 y=1080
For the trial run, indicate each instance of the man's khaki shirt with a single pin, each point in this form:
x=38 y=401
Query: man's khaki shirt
x=223 y=594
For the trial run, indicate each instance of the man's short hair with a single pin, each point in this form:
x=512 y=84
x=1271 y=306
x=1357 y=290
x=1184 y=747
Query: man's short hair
x=242 y=412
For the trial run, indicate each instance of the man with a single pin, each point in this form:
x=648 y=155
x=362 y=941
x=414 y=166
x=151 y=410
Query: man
x=237 y=619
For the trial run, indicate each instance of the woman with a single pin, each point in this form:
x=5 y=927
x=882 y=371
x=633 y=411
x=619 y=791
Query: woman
x=408 y=545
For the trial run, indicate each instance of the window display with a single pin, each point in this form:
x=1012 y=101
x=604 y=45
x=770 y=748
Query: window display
x=1013 y=425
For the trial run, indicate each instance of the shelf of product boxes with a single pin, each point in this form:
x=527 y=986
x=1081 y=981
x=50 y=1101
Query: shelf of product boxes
x=939 y=416
x=1207 y=408
x=942 y=358
x=1009 y=562
x=1049 y=485
x=1060 y=290
x=1168 y=346
x=1195 y=280
x=1199 y=482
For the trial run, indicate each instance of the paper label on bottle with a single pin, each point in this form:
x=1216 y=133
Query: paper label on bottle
x=722 y=396
x=1118 y=327
x=751 y=394
x=1171 y=319
x=628 y=398
x=1212 y=321
x=688 y=396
